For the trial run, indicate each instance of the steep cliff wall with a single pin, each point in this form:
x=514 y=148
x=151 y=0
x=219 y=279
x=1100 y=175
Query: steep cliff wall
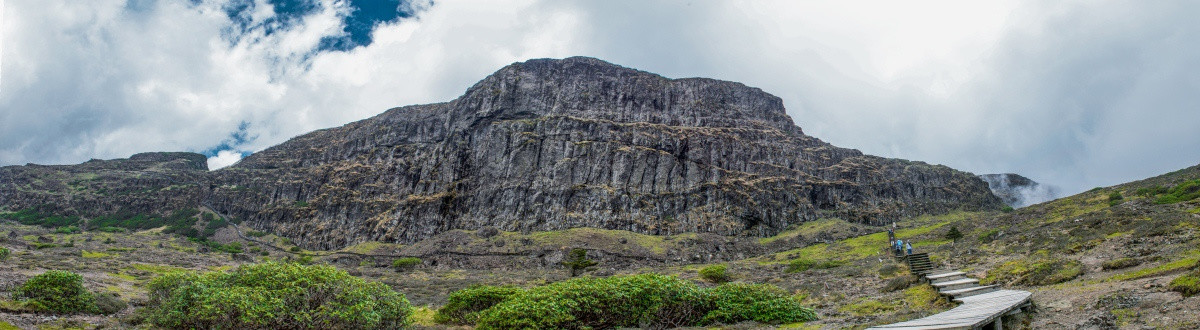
x=554 y=144
x=539 y=145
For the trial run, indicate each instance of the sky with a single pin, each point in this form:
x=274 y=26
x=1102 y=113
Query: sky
x=1076 y=94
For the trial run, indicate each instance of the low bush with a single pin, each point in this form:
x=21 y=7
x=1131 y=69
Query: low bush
x=463 y=306
x=255 y=233
x=1182 y=192
x=647 y=300
x=1187 y=284
x=274 y=295
x=737 y=302
x=110 y=229
x=900 y=283
x=66 y=230
x=4 y=252
x=989 y=236
x=1115 y=198
x=1039 y=270
x=109 y=303
x=1119 y=263
x=803 y=264
x=715 y=274
x=56 y=291
x=800 y=265
x=407 y=263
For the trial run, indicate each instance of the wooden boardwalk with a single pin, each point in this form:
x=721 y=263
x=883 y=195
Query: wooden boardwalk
x=981 y=305
x=975 y=312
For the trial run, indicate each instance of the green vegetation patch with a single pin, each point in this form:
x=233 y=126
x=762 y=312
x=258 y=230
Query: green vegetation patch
x=1187 y=284
x=407 y=263
x=1120 y=263
x=647 y=300
x=715 y=273
x=1037 y=270
x=96 y=254
x=56 y=291
x=1186 y=191
x=274 y=295
x=1188 y=261
x=463 y=306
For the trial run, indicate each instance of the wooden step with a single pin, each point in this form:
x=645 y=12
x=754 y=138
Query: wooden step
x=943 y=275
x=947 y=279
x=971 y=291
x=955 y=284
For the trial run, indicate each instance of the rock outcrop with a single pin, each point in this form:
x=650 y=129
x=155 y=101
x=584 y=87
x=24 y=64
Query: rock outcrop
x=555 y=144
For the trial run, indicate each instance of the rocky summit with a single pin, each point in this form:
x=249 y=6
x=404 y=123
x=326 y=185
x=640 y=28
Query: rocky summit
x=541 y=145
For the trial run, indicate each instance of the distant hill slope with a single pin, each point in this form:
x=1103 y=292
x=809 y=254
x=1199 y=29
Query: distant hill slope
x=554 y=144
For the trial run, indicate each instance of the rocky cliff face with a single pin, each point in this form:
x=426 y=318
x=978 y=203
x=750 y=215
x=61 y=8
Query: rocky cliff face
x=554 y=144
x=147 y=183
x=1019 y=191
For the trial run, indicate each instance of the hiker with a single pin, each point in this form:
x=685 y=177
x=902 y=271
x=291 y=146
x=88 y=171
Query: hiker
x=891 y=235
x=909 y=247
x=899 y=245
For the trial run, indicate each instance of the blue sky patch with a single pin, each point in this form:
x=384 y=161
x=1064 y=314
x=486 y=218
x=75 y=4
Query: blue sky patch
x=364 y=16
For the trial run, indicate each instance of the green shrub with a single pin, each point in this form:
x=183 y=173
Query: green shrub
x=4 y=252
x=1007 y=209
x=464 y=306
x=1151 y=191
x=989 y=236
x=737 y=302
x=255 y=233
x=407 y=263
x=56 y=291
x=647 y=300
x=953 y=234
x=1034 y=271
x=109 y=303
x=1182 y=192
x=274 y=295
x=1115 y=198
x=577 y=261
x=66 y=230
x=40 y=245
x=295 y=249
x=110 y=229
x=715 y=273
x=1187 y=284
x=900 y=283
x=800 y=265
x=1120 y=263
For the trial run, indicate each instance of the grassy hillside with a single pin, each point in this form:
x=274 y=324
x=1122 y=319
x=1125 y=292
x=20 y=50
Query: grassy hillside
x=1114 y=256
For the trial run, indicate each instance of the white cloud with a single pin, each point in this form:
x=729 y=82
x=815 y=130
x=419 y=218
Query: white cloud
x=1070 y=93
x=223 y=158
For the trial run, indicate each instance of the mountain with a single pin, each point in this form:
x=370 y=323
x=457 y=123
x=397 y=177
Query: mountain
x=1019 y=191
x=552 y=144
x=147 y=183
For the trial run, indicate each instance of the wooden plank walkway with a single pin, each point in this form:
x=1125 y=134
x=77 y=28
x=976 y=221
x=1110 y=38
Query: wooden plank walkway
x=981 y=305
x=976 y=311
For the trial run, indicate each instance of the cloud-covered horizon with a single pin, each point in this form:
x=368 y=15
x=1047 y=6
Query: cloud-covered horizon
x=1076 y=94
